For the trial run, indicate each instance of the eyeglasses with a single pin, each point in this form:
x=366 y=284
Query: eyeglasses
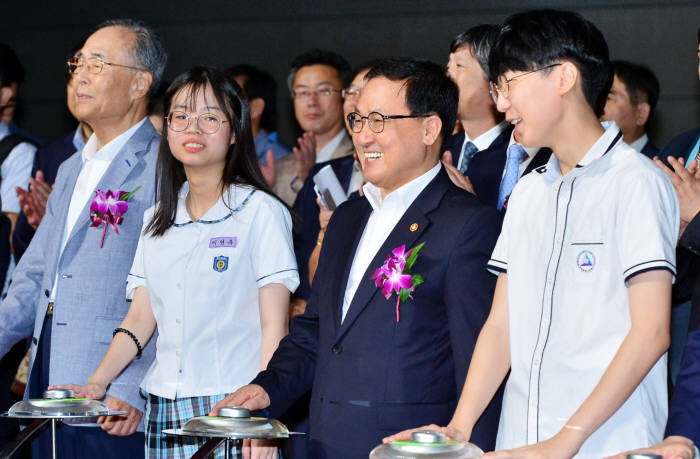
x=350 y=92
x=94 y=65
x=499 y=90
x=375 y=120
x=206 y=122
x=322 y=92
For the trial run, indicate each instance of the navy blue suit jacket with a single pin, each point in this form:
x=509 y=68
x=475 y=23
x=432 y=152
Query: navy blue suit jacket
x=486 y=167
x=649 y=150
x=680 y=146
x=684 y=412
x=46 y=160
x=371 y=375
x=307 y=210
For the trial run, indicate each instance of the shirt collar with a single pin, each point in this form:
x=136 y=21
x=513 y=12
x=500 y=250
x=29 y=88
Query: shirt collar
x=78 y=138
x=486 y=139
x=404 y=195
x=605 y=143
x=325 y=153
x=640 y=142
x=232 y=200
x=4 y=129
x=109 y=151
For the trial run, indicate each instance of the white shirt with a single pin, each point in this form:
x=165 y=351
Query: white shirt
x=530 y=153
x=95 y=164
x=16 y=170
x=327 y=151
x=484 y=140
x=640 y=142
x=569 y=245
x=385 y=215
x=202 y=279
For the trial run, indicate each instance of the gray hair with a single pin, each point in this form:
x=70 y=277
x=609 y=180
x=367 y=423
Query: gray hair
x=148 y=51
x=480 y=40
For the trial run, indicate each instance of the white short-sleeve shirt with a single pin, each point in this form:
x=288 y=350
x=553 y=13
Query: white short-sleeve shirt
x=203 y=279
x=569 y=245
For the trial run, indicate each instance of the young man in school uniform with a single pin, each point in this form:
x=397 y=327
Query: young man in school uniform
x=586 y=258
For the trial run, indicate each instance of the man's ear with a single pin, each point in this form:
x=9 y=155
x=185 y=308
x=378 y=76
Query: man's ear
x=5 y=95
x=643 y=111
x=568 y=76
x=141 y=84
x=257 y=106
x=432 y=125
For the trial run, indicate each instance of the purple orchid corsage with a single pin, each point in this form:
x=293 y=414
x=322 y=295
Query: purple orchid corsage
x=395 y=275
x=108 y=208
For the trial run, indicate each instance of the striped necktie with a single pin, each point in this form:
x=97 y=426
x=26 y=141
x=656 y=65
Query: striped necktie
x=469 y=151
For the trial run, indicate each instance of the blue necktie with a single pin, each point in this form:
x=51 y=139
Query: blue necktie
x=516 y=154
x=469 y=151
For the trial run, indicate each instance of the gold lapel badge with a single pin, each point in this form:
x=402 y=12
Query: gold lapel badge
x=413 y=227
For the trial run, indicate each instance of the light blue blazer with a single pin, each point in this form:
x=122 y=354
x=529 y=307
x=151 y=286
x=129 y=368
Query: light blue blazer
x=90 y=296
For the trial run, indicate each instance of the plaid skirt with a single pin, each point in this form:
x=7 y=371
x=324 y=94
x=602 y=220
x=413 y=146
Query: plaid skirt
x=163 y=413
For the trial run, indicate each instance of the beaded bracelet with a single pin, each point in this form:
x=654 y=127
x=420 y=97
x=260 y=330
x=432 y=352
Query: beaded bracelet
x=133 y=337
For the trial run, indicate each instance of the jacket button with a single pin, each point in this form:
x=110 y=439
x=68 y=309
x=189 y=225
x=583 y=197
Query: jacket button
x=34 y=340
x=46 y=292
x=337 y=349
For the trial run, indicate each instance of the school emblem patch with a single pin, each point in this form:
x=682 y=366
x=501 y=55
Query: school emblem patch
x=220 y=264
x=585 y=261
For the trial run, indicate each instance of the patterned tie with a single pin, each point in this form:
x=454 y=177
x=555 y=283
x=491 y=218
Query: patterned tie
x=469 y=151
x=516 y=154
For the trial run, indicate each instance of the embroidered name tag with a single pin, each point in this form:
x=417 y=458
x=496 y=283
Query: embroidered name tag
x=226 y=241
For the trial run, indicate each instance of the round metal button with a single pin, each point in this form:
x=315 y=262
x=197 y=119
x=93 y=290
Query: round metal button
x=428 y=436
x=337 y=349
x=58 y=394
x=234 y=412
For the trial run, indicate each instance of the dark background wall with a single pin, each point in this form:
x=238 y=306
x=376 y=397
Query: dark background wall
x=269 y=33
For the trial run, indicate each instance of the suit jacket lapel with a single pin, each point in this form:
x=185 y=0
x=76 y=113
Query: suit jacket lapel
x=417 y=213
x=117 y=172
x=540 y=159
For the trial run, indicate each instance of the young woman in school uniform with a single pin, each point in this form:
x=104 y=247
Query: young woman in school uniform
x=213 y=269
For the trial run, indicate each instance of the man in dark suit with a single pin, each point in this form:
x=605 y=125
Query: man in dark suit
x=631 y=102
x=479 y=157
x=375 y=365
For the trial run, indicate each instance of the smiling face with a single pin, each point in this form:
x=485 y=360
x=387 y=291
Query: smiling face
x=474 y=98
x=533 y=106
x=405 y=149
x=322 y=115
x=106 y=97
x=194 y=148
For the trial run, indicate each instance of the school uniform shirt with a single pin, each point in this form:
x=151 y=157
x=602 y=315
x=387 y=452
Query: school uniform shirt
x=569 y=246
x=202 y=279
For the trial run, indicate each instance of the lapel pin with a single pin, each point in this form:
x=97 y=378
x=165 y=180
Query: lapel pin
x=413 y=227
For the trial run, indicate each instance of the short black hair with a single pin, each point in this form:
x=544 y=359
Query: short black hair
x=641 y=83
x=428 y=88
x=259 y=84
x=11 y=70
x=480 y=40
x=321 y=57
x=535 y=39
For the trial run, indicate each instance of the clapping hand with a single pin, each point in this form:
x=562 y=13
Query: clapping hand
x=305 y=154
x=455 y=175
x=33 y=202
x=686 y=182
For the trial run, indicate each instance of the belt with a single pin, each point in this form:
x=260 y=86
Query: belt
x=49 y=310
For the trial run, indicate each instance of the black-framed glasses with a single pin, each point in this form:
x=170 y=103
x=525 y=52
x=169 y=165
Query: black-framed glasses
x=208 y=123
x=94 y=65
x=501 y=90
x=375 y=120
x=321 y=92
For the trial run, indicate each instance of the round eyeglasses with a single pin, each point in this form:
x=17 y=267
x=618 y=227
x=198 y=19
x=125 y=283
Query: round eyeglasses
x=503 y=90
x=206 y=122
x=375 y=120
x=350 y=92
x=94 y=65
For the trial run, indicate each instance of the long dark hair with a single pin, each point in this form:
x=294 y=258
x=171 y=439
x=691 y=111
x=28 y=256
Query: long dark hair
x=241 y=160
